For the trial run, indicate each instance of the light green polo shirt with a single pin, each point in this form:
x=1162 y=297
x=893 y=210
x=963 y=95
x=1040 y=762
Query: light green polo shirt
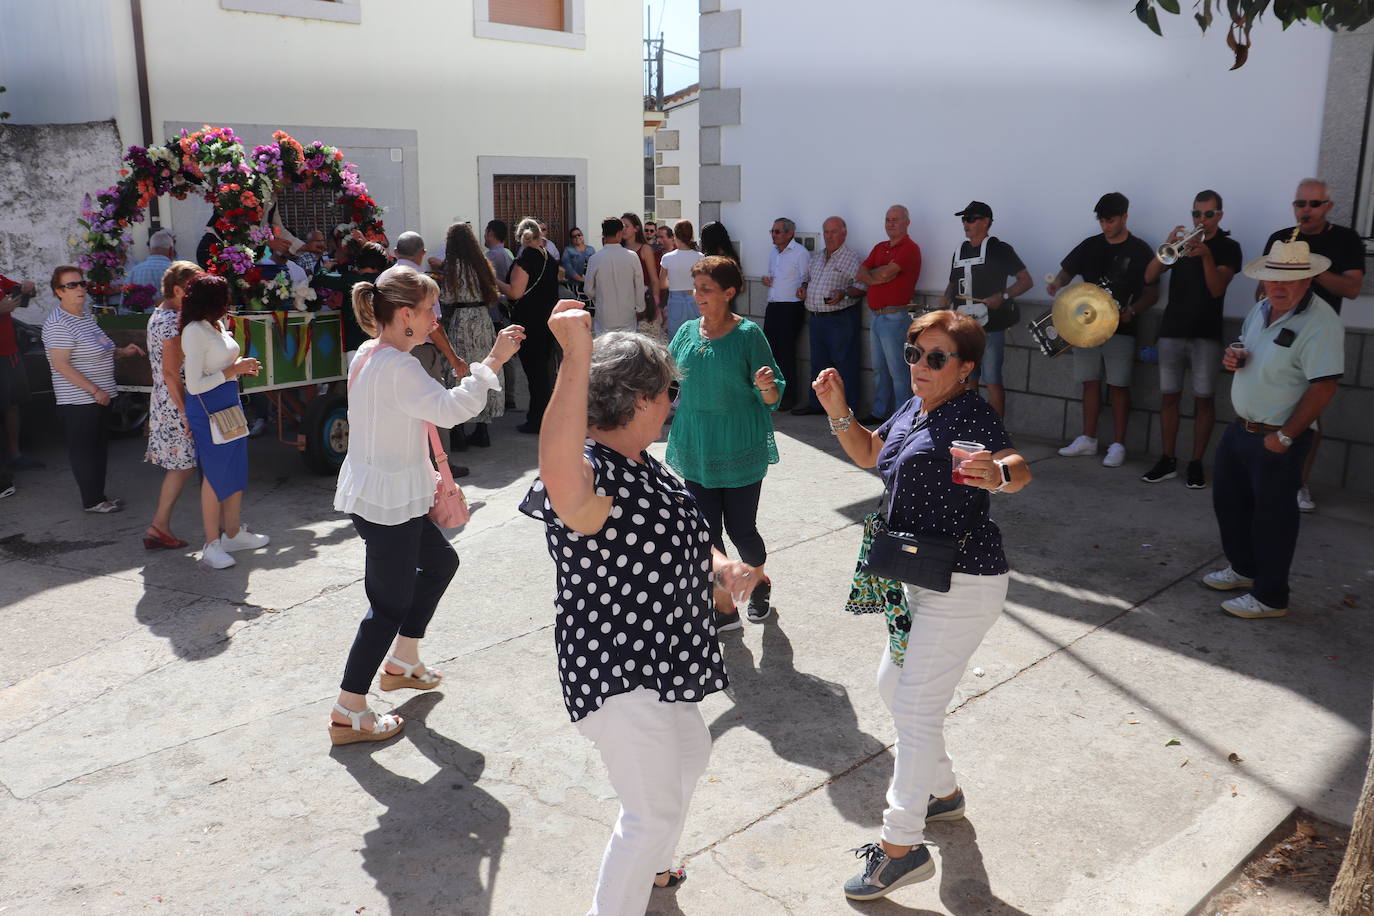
x=1277 y=376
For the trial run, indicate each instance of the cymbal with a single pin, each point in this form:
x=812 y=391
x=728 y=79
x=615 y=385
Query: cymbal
x=1085 y=315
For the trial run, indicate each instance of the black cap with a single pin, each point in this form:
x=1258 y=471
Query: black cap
x=976 y=208
x=1112 y=204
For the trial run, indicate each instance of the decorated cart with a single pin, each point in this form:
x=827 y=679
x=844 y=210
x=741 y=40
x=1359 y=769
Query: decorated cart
x=301 y=350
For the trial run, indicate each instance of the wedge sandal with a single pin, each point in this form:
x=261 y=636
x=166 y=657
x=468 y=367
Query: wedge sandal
x=675 y=877
x=410 y=680
x=384 y=725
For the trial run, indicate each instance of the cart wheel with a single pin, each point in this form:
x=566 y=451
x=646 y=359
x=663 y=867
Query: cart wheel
x=326 y=433
x=128 y=413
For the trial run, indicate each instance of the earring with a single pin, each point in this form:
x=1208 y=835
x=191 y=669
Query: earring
x=410 y=332
x=962 y=381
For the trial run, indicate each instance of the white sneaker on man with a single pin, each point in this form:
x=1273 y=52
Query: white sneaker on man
x=214 y=556
x=1223 y=580
x=1115 y=457
x=1083 y=445
x=1251 y=608
x=244 y=540
x=1305 y=503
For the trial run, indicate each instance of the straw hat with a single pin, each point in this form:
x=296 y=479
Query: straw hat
x=1288 y=261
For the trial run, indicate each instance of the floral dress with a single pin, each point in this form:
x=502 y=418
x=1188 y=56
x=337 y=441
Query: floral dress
x=168 y=445
x=472 y=334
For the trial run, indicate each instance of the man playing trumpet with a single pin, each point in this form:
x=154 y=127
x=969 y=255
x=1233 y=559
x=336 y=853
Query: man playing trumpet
x=1190 y=331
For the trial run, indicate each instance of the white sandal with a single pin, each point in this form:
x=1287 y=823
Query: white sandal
x=384 y=725
x=427 y=681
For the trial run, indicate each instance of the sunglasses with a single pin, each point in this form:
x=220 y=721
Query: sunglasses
x=776 y=231
x=973 y=219
x=1205 y=214
x=1314 y=204
x=74 y=284
x=935 y=359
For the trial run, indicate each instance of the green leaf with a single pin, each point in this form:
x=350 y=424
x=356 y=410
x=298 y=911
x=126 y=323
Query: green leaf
x=1314 y=13
x=1169 y=6
x=1171 y=742
x=1142 y=11
x=83 y=224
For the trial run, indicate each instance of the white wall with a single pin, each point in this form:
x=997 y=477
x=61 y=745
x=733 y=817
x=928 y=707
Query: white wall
x=1035 y=108
x=56 y=60
x=685 y=119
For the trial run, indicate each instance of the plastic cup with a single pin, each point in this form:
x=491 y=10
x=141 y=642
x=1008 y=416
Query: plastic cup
x=959 y=451
x=1240 y=353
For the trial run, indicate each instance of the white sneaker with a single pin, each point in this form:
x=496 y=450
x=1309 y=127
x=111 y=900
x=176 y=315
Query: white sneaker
x=1251 y=608
x=1223 y=580
x=1116 y=455
x=1305 y=503
x=1083 y=445
x=258 y=428
x=214 y=556
x=244 y=540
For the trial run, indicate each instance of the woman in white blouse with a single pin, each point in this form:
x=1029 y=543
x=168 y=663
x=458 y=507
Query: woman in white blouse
x=386 y=485
x=213 y=366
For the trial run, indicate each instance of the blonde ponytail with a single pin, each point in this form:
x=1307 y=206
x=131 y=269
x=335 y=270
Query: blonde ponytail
x=376 y=304
x=364 y=295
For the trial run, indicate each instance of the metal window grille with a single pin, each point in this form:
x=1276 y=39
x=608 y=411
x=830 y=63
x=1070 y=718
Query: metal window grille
x=303 y=211
x=552 y=198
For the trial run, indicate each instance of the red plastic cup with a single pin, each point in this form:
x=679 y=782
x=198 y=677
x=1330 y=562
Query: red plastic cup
x=959 y=451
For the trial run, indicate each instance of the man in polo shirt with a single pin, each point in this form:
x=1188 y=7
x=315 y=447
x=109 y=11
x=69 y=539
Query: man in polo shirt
x=831 y=294
x=1294 y=358
x=149 y=271
x=890 y=272
x=788 y=264
x=1191 y=331
x=1114 y=260
x=1343 y=247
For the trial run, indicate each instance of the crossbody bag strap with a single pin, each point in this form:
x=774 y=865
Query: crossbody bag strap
x=440 y=456
x=885 y=502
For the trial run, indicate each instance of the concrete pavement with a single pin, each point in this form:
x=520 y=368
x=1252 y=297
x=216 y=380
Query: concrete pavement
x=164 y=742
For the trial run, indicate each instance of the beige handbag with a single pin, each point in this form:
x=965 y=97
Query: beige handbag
x=227 y=425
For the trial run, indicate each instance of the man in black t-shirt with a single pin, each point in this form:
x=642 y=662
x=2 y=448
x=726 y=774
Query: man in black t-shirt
x=1343 y=280
x=1191 y=331
x=1114 y=260
x=979 y=271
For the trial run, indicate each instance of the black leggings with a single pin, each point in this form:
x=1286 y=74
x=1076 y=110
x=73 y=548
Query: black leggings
x=738 y=507
x=408 y=567
x=87 y=448
x=536 y=358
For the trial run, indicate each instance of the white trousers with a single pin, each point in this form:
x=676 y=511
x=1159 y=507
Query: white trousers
x=655 y=753
x=946 y=628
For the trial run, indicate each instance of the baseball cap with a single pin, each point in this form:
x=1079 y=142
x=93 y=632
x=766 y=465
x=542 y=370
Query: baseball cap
x=1113 y=203
x=976 y=208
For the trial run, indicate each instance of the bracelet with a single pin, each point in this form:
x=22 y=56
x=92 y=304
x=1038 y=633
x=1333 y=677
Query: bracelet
x=769 y=388
x=840 y=424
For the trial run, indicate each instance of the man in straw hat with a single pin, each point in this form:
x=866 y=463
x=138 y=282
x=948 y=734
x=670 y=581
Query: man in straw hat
x=1287 y=364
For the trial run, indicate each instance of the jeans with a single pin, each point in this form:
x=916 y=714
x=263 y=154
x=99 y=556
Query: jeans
x=990 y=371
x=782 y=325
x=1255 y=497
x=407 y=570
x=738 y=509
x=946 y=628
x=655 y=753
x=682 y=308
x=835 y=344
x=891 y=374
x=87 y=448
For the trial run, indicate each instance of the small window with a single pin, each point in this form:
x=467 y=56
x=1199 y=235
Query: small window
x=557 y=23
x=532 y=14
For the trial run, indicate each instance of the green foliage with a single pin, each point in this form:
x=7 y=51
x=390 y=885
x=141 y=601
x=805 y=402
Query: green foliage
x=1241 y=15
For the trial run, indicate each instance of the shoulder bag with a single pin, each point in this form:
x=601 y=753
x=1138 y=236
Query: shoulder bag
x=227 y=425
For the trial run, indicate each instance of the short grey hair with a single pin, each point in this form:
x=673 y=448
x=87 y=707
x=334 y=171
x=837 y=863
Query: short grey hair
x=409 y=244
x=786 y=223
x=163 y=238
x=1326 y=189
x=906 y=214
x=626 y=366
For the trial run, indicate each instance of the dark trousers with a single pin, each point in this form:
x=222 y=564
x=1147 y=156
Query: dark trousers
x=87 y=448
x=536 y=358
x=835 y=343
x=408 y=567
x=782 y=325
x=738 y=509
x=1255 y=497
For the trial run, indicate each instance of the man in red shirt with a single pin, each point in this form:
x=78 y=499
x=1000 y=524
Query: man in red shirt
x=14 y=389
x=890 y=272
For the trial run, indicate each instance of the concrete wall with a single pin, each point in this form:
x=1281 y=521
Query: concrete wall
x=677 y=148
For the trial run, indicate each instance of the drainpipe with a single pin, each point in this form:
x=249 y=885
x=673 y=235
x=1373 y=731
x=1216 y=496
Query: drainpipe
x=144 y=107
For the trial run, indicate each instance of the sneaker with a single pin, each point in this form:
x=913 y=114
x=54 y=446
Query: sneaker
x=950 y=809
x=882 y=874
x=1197 y=478
x=213 y=556
x=759 y=608
x=258 y=428
x=1305 y=503
x=244 y=540
x=1223 y=580
x=724 y=622
x=25 y=463
x=1116 y=456
x=105 y=507
x=1251 y=608
x=8 y=491
x=1165 y=468
x=1083 y=445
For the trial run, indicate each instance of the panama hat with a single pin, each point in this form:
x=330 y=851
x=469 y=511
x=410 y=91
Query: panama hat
x=1288 y=261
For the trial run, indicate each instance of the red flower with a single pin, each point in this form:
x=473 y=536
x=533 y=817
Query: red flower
x=253 y=277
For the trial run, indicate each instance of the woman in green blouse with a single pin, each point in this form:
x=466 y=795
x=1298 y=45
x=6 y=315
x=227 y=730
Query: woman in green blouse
x=721 y=440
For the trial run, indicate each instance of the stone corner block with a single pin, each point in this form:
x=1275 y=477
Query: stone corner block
x=667 y=139
x=719 y=30
x=719 y=107
x=708 y=70
x=709 y=149
x=720 y=182
x=667 y=174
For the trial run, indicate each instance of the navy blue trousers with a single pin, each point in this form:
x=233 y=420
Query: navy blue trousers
x=836 y=340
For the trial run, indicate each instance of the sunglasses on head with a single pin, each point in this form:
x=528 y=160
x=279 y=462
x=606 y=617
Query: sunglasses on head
x=1205 y=214
x=1314 y=204
x=935 y=359
x=72 y=284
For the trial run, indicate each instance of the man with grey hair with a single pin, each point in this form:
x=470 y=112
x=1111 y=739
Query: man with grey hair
x=149 y=271
x=784 y=315
x=312 y=255
x=890 y=271
x=831 y=293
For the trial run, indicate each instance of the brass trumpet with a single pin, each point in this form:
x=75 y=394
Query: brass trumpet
x=1170 y=252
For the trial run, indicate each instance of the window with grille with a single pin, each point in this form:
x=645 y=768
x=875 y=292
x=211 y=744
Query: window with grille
x=302 y=211
x=532 y=14
x=552 y=198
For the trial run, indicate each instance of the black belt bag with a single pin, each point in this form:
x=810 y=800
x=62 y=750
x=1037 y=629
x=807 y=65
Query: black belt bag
x=916 y=558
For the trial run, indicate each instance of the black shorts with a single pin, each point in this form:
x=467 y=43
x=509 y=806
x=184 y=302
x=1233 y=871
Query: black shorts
x=14 y=384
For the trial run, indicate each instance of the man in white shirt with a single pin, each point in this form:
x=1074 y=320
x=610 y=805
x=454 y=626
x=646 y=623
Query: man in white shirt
x=788 y=265
x=615 y=282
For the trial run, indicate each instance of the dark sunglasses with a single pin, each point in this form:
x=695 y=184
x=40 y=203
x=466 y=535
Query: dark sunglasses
x=74 y=284
x=776 y=231
x=973 y=219
x=935 y=359
x=1205 y=214
x=1314 y=204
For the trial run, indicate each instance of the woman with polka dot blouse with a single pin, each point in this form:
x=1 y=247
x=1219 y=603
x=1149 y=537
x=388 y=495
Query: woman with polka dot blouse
x=632 y=553
x=912 y=452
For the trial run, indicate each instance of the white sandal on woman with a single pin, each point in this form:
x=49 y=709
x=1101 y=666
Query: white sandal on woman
x=384 y=725
x=426 y=681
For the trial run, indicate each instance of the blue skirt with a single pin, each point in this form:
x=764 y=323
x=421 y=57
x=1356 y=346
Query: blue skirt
x=225 y=466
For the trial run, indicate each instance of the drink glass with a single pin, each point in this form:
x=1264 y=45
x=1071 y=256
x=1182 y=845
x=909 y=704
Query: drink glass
x=959 y=450
x=1240 y=353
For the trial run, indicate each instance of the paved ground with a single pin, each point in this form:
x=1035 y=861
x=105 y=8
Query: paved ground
x=164 y=745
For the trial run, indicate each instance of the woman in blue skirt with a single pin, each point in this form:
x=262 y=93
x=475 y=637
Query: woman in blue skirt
x=213 y=366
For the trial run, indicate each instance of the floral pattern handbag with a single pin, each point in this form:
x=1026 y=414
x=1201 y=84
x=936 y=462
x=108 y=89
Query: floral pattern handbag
x=870 y=594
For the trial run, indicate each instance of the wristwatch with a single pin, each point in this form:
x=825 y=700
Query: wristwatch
x=1285 y=441
x=1006 y=475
